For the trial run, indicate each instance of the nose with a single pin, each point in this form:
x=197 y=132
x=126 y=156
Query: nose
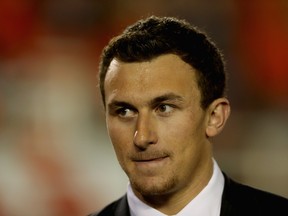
x=145 y=133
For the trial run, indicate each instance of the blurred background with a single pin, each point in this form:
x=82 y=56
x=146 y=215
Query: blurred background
x=55 y=156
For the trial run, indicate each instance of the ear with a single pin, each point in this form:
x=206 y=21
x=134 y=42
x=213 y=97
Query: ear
x=218 y=113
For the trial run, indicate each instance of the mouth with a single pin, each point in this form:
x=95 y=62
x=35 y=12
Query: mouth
x=148 y=157
x=151 y=159
x=150 y=163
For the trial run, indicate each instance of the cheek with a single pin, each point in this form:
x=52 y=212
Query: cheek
x=118 y=143
x=187 y=143
x=120 y=136
x=177 y=127
x=183 y=133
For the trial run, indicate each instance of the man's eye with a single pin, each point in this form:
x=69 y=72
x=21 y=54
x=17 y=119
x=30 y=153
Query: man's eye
x=125 y=112
x=165 y=108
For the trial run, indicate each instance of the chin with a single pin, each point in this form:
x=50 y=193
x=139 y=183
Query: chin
x=155 y=187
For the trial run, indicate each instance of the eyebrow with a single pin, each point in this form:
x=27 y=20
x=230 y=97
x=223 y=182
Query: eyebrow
x=154 y=102
x=167 y=97
x=116 y=104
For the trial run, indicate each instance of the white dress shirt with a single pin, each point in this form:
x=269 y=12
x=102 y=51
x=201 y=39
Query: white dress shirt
x=206 y=203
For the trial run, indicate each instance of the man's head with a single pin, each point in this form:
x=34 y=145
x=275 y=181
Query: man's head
x=162 y=84
x=155 y=36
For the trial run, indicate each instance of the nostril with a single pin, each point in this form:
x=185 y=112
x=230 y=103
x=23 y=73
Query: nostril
x=142 y=139
x=145 y=130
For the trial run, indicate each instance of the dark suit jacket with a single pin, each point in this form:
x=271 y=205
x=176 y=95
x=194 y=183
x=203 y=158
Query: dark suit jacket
x=237 y=200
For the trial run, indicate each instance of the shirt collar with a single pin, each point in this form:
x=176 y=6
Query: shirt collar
x=207 y=202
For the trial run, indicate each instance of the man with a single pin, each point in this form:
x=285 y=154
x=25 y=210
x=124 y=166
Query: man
x=163 y=87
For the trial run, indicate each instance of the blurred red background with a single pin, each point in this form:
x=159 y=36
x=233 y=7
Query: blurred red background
x=55 y=155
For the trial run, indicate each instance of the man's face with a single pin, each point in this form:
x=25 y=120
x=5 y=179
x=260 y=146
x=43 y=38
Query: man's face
x=156 y=124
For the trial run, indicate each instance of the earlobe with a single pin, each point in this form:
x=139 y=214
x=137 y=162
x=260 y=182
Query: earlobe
x=218 y=113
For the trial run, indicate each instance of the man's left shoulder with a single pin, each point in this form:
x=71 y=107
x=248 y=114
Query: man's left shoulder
x=258 y=195
x=239 y=197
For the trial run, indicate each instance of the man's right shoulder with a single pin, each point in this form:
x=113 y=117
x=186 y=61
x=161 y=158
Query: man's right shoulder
x=116 y=208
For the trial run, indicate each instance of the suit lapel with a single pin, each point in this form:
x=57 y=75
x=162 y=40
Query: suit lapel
x=122 y=209
x=226 y=206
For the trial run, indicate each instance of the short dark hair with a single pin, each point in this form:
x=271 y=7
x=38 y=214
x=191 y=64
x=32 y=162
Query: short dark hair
x=154 y=36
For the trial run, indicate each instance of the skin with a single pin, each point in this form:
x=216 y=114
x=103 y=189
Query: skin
x=159 y=131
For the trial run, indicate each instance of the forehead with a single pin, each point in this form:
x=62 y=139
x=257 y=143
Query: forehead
x=166 y=73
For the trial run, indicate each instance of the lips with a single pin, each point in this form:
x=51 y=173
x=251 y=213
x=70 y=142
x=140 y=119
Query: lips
x=144 y=157
x=150 y=164
x=150 y=159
